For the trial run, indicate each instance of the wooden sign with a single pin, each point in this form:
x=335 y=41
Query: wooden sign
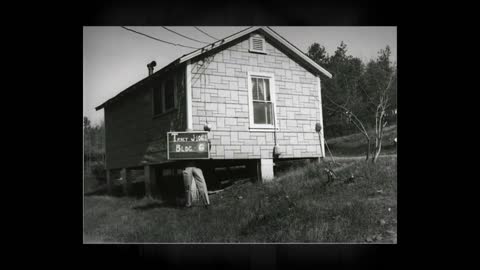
x=187 y=145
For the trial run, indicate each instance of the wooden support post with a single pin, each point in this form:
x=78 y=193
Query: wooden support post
x=126 y=181
x=150 y=181
x=109 y=183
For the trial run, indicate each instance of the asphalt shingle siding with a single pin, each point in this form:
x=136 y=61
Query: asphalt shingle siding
x=133 y=134
x=220 y=95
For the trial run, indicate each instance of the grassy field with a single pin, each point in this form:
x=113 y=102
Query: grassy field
x=355 y=144
x=299 y=206
x=90 y=183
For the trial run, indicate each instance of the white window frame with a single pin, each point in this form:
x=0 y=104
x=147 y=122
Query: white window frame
x=162 y=94
x=264 y=51
x=271 y=78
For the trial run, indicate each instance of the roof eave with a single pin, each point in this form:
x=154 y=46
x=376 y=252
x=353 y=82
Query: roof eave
x=175 y=63
x=297 y=52
x=247 y=31
x=217 y=44
x=224 y=41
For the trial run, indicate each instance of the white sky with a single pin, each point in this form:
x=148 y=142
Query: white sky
x=114 y=58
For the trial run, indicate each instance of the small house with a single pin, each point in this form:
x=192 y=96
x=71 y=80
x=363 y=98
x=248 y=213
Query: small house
x=257 y=95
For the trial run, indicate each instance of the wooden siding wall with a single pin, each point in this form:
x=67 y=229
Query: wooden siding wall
x=132 y=134
x=220 y=95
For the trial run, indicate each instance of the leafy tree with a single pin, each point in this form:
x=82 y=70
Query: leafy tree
x=94 y=147
x=359 y=97
x=342 y=89
x=318 y=54
x=87 y=146
x=86 y=123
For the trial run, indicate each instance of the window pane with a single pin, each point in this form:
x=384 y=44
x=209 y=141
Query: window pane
x=267 y=89
x=157 y=101
x=261 y=89
x=269 y=113
x=254 y=88
x=169 y=95
x=262 y=113
x=259 y=113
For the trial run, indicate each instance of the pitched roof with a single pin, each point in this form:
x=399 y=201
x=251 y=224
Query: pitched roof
x=265 y=29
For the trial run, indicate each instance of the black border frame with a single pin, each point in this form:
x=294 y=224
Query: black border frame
x=229 y=256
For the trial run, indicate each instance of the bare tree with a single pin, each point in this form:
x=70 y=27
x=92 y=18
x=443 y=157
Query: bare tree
x=343 y=109
x=380 y=117
x=382 y=105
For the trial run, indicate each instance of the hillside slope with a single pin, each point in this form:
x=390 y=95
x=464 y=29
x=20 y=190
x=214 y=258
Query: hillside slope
x=356 y=144
x=299 y=206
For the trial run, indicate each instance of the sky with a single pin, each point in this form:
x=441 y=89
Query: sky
x=114 y=58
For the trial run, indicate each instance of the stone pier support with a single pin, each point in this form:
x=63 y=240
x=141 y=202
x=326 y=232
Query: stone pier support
x=109 y=183
x=265 y=169
x=150 y=180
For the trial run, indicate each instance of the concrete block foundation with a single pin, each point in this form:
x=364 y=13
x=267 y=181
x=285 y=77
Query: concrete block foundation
x=266 y=169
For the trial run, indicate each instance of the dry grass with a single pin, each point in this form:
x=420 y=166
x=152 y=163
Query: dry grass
x=299 y=206
x=355 y=144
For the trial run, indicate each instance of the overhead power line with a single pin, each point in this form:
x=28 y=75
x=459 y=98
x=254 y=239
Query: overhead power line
x=205 y=33
x=175 y=44
x=185 y=36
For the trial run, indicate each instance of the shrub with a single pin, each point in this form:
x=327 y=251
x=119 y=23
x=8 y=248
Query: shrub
x=98 y=170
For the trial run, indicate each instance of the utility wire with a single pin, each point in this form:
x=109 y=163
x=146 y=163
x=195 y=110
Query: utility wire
x=205 y=33
x=157 y=38
x=185 y=36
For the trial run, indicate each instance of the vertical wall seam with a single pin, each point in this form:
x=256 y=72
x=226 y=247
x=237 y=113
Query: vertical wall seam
x=322 y=142
x=189 y=95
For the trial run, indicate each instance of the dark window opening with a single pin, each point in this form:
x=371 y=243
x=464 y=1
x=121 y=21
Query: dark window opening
x=157 y=101
x=164 y=97
x=169 y=95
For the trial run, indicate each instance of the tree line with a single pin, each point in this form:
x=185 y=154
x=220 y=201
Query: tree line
x=93 y=145
x=360 y=97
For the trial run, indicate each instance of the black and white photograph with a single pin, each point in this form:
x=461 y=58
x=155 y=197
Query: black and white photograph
x=240 y=134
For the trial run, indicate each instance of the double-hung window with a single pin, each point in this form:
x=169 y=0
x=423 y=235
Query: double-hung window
x=164 y=97
x=261 y=88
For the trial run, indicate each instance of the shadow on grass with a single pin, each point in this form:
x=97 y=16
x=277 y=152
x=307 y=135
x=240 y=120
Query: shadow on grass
x=97 y=192
x=137 y=191
x=388 y=149
x=154 y=205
